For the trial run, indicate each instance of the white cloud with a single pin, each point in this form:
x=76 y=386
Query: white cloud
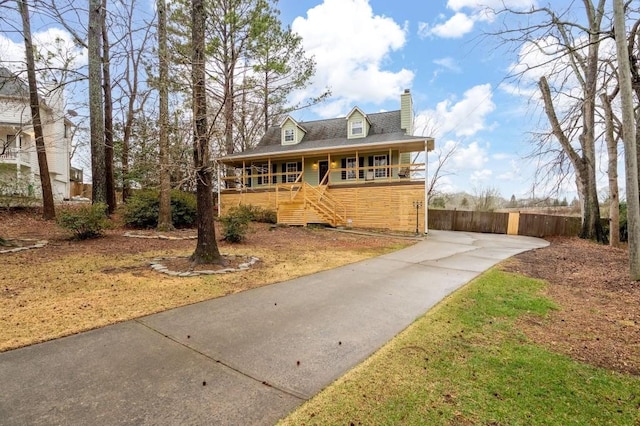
x=470 y=157
x=457 y=5
x=12 y=55
x=501 y=156
x=55 y=45
x=466 y=14
x=463 y=118
x=455 y=27
x=480 y=176
x=448 y=63
x=350 y=45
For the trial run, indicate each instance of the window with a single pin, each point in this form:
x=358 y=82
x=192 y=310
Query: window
x=351 y=168
x=379 y=161
x=11 y=141
x=292 y=172
x=66 y=131
x=288 y=135
x=356 y=127
x=263 y=171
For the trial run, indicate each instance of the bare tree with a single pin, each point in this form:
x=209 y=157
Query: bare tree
x=96 y=103
x=134 y=96
x=629 y=139
x=445 y=155
x=612 y=168
x=108 y=114
x=486 y=199
x=206 y=247
x=48 y=210
x=571 y=53
x=164 y=213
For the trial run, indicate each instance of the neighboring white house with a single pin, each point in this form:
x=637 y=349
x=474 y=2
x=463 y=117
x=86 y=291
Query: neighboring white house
x=19 y=171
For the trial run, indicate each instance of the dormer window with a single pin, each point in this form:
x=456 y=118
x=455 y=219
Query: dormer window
x=289 y=135
x=359 y=124
x=356 y=127
x=291 y=132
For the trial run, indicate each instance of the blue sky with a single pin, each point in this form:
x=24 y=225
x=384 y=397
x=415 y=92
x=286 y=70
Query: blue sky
x=368 y=51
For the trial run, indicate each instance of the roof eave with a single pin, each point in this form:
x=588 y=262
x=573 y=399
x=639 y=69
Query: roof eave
x=420 y=145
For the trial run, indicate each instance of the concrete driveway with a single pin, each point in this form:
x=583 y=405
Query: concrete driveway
x=245 y=359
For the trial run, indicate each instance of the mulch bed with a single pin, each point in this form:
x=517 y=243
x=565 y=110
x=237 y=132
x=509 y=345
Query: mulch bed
x=598 y=320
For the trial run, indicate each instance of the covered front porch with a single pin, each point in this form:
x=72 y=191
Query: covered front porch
x=368 y=188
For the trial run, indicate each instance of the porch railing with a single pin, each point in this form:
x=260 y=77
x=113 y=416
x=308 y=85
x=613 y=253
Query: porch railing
x=318 y=198
x=9 y=154
x=326 y=204
x=334 y=176
x=15 y=155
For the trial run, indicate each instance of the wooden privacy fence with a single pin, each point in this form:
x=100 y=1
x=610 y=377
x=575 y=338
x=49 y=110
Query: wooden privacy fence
x=515 y=223
x=540 y=225
x=469 y=221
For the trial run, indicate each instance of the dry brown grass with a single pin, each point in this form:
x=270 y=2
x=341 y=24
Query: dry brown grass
x=72 y=286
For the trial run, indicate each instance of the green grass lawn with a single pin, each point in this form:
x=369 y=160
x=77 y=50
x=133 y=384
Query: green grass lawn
x=466 y=363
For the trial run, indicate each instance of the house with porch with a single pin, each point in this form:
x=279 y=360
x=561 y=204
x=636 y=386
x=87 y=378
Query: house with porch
x=19 y=170
x=357 y=171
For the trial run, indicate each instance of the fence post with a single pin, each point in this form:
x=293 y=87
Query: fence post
x=514 y=223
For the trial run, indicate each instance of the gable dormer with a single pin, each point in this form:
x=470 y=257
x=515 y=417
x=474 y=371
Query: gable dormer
x=291 y=132
x=357 y=124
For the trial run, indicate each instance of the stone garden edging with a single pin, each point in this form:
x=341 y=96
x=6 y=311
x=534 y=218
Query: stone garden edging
x=156 y=265
x=38 y=244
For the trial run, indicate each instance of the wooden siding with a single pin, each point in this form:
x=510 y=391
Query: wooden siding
x=377 y=207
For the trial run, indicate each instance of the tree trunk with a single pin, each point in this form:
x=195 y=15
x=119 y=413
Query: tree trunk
x=629 y=139
x=164 y=214
x=612 y=172
x=108 y=117
x=96 y=116
x=48 y=205
x=591 y=225
x=584 y=166
x=206 y=247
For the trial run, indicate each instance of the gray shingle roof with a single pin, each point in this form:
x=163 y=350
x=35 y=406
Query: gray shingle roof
x=11 y=85
x=331 y=133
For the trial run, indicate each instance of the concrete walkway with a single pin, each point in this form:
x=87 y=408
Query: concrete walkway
x=245 y=359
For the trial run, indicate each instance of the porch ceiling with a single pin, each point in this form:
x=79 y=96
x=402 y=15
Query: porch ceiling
x=286 y=152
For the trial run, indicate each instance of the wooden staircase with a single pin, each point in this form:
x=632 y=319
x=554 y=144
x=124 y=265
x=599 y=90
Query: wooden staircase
x=304 y=204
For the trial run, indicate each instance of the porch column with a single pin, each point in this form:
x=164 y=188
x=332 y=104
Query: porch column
x=426 y=188
x=219 y=191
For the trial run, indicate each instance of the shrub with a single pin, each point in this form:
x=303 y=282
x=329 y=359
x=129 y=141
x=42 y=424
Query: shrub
x=141 y=210
x=87 y=221
x=235 y=224
x=256 y=213
x=184 y=209
x=624 y=230
x=264 y=215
